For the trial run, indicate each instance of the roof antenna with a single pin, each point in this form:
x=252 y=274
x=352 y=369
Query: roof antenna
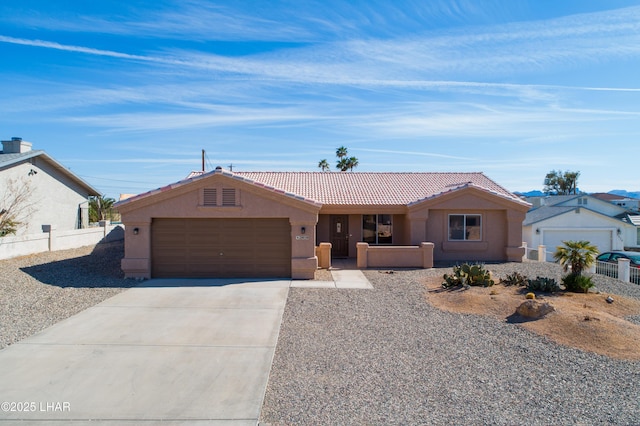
x=230 y=167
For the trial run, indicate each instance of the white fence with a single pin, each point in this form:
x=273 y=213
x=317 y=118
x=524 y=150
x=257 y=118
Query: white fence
x=621 y=270
x=52 y=239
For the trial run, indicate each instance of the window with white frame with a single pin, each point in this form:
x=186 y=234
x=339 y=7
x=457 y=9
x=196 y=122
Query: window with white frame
x=465 y=227
x=377 y=228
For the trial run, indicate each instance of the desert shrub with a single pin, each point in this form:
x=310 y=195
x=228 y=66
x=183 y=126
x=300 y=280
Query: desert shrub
x=515 y=279
x=577 y=283
x=543 y=284
x=466 y=274
x=576 y=256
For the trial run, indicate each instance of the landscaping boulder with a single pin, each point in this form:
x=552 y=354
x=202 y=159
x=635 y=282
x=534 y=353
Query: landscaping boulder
x=534 y=309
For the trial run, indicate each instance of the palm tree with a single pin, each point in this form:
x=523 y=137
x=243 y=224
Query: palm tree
x=341 y=152
x=342 y=164
x=352 y=162
x=100 y=207
x=324 y=165
x=576 y=255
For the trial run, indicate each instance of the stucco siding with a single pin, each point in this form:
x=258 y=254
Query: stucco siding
x=491 y=247
x=53 y=199
x=322 y=229
x=187 y=203
x=422 y=220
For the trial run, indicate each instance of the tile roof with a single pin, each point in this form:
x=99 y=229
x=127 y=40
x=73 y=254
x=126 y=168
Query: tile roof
x=605 y=196
x=354 y=188
x=369 y=188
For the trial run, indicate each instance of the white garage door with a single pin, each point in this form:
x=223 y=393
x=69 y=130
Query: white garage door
x=553 y=239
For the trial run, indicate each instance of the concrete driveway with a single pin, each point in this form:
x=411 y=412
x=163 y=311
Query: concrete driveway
x=184 y=351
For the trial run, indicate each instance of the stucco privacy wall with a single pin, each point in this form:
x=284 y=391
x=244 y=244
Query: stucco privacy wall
x=185 y=201
x=53 y=239
x=53 y=199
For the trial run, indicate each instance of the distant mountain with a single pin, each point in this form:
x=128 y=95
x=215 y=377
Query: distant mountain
x=620 y=192
x=530 y=194
x=624 y=193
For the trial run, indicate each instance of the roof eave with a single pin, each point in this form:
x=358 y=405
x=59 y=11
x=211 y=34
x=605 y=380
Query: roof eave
x=91 y=191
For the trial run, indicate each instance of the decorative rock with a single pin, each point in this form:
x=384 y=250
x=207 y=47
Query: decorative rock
x=530 y=296
x=534 y=309
x=609 y=299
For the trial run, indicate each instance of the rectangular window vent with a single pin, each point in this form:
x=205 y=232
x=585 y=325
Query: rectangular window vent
x=228 y=196
x=210 y=197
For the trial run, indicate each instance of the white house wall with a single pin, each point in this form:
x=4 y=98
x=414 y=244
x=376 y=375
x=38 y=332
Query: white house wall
x=586 y=220
x=595 y=204
x=53 y=199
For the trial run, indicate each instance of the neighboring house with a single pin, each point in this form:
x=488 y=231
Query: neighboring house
x=630 y=204
x=224 y=223
x=554 y=219
x=53 y=195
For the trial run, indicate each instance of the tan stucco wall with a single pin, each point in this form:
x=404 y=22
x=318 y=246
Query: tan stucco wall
x=185 y=202
x=425 y=222
x=428 y=222
x=492 y=246
x=322 y=229
x=501 y=227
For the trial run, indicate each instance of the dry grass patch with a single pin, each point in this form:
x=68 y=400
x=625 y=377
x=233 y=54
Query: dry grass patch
x=583 y=321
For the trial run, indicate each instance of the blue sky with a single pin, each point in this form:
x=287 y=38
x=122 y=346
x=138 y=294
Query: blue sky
x=127 y=94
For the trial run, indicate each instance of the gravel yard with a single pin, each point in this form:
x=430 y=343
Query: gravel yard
x=40 y=290
x=386 y=356
x=382 y=356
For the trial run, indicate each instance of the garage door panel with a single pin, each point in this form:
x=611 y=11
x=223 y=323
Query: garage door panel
x=599 y=238
x=221 y=248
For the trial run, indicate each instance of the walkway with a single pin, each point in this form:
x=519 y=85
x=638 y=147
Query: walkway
x=344 y=274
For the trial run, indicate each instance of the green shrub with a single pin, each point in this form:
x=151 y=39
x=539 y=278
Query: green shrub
x=466 y=274
x=577 y=283
x=543 y=284
x=515 y=279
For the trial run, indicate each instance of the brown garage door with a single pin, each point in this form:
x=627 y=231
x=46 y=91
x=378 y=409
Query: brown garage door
x=221 y=248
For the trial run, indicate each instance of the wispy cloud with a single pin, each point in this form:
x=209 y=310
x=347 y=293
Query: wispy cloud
x=415 y=153
x=70 y=48
x=144 y=121
x=237 y=21
x=362 y=59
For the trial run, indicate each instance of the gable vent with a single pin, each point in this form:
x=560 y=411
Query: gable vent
x=210 y=196
x=228 y=196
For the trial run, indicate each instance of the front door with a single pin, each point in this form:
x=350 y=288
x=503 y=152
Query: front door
x=339 y=235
